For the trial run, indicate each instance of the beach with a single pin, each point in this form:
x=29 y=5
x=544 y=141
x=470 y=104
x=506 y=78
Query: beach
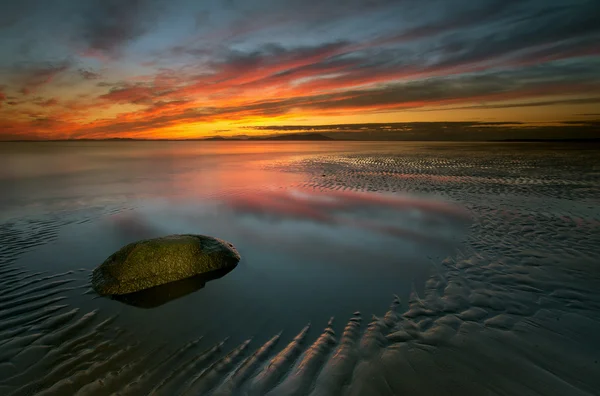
x=371 y=268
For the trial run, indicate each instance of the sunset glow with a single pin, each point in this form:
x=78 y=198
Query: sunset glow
x=192 y=69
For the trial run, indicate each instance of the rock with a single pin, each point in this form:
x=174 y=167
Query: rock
x=153 y=262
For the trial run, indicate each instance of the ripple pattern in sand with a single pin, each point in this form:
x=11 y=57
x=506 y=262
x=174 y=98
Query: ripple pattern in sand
x=515 y=311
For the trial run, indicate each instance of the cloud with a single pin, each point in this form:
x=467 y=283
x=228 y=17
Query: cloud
x=168 y=108
x=273 y=58
x=108 y=25
x=30 y=77
x=567 y=24
x=444 y=131
x=11 y=12
x=201 y=18
x=500 y=85
x=299 y=58
x=343 y=65
x=512 y=105
x=128 y=93
x=454 y=19
x=387 y=126
x=47 y=102
x=88 y=74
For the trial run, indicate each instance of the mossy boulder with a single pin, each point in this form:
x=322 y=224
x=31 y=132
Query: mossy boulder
x=153 y=262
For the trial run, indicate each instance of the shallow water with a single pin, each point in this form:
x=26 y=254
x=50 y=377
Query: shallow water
x=488 y=254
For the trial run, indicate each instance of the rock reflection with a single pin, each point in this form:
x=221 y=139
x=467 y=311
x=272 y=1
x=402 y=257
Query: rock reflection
x=160 y=295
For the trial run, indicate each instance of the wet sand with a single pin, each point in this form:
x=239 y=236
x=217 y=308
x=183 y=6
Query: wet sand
x=479 y=262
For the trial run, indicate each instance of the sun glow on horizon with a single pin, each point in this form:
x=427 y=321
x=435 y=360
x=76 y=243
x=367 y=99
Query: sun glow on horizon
x=239 y=69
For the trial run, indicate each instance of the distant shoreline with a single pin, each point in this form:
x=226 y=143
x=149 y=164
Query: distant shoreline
x=254 y=140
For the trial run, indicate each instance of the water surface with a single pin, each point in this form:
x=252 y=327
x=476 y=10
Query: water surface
x=472 y=244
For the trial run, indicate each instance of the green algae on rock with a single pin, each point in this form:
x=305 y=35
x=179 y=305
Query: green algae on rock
x=153 y=262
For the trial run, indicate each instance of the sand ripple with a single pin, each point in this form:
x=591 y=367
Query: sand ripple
x=514 y=311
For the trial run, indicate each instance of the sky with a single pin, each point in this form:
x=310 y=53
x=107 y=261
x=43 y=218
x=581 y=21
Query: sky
x=72 y=69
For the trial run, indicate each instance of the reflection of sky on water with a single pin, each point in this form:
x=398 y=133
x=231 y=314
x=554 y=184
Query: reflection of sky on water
x=306 y=255
x=354 y=253
x=290 y=220
x=377 y=215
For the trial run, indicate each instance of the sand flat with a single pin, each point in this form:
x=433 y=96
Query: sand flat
x=479 y=262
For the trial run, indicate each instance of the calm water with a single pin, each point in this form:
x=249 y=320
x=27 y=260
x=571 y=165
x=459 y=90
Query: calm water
x=324 y=230
x=306 y=255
